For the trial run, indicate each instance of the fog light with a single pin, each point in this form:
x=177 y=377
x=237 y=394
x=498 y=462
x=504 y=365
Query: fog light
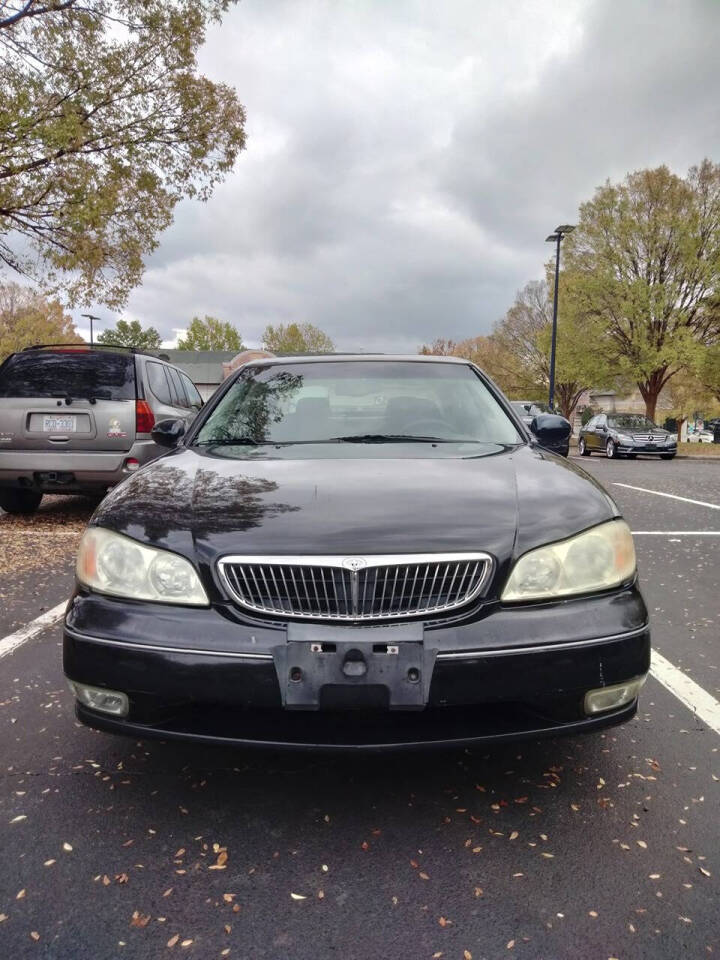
x=610 y=698
x=104 y=701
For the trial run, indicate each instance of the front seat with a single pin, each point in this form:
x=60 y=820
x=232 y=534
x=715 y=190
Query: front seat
x=402 y=411
x=312 y=418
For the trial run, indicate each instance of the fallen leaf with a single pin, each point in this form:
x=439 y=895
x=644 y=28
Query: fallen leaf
x=222 y=858
x=3 y=916
x=514 y=835
x=67 y=848
x=641 y=843
x=592 y=913
x=121 y=878
x=17 y=819
x=478 y=891
x=510 y=944
x=35 y=935
x=48 y=863
x=298 y=896
x=423 y=876
x=185 y=943
x=704 y=872
x=139 y=919
x=173 y=940
x=21 y=894
x=364 y=845
x=467 y=955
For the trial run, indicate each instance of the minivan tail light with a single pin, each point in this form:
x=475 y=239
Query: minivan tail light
x=144 y=419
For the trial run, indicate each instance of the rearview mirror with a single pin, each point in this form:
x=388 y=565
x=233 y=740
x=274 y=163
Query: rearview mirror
x=168 y=433
x=550 y=429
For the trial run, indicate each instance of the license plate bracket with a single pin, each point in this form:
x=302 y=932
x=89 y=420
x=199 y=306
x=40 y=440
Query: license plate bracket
x=317 y=662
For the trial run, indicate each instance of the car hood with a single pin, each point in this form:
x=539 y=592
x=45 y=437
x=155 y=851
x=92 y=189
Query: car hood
x=205 y=506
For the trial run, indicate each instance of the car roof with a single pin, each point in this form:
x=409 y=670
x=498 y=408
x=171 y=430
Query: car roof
x=356 y=358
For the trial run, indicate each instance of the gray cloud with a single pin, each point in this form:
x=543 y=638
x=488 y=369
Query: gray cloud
x=406 y=161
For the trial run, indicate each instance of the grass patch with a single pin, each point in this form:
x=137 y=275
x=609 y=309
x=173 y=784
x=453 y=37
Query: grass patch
x=699 y=449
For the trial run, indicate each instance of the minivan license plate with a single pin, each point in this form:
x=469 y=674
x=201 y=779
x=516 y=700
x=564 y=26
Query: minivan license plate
x=59 y=424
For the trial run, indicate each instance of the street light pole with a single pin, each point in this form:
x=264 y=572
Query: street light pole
x=90 y=317
x=556 y=238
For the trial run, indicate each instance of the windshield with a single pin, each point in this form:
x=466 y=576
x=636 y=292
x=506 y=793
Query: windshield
x=367 y=401
x=105 y=376
x=630 y=421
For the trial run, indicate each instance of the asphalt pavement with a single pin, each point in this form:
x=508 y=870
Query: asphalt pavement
x=595 y=847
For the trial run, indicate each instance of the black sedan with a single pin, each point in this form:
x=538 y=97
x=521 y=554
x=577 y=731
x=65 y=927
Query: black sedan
x=626 y=435
x=350 y=552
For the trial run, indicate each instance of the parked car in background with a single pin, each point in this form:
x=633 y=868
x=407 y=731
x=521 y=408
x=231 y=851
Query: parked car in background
x=626 y=435
x=704 y=435
x=527 y=410
x=306 y=571
x=78 y=419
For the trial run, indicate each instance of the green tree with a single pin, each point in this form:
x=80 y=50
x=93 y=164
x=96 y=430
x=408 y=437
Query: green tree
x=525 y=334
x=131 y=334
x=647 y=257
x=494 y=358
x=106 y=124
x=209 y=333
x=28 y=318
x=296 y=338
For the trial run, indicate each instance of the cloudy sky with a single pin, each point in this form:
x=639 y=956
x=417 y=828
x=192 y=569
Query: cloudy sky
x=407 y=158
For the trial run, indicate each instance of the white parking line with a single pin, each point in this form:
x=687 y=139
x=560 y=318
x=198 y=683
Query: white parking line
x=14 y=640
x=672 y=496
x=702 y=704
x=676 y=533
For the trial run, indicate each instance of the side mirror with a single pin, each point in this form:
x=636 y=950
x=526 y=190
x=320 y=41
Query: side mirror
x=550 y=429
x=168 y=433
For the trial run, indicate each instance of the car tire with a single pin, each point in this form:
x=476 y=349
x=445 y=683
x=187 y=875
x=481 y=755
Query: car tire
x=611 y=451
x=582 y=448
x=19 y=501
x=667 y=456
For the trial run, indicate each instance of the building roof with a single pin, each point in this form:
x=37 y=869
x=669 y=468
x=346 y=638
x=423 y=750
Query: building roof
x=202 y=366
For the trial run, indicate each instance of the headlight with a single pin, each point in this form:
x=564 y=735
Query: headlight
x=111 y=563
x=671 y=438
x=594 y=560
x=624 y=438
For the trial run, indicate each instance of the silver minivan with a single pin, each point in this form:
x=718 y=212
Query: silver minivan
x=77 y=419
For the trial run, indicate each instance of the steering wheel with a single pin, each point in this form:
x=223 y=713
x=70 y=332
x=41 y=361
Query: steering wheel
x=429 y=426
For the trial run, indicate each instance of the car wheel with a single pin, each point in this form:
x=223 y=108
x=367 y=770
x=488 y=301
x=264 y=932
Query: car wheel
x=611 y=450
x=582 y=448
x=19 y=501
x=667 y=456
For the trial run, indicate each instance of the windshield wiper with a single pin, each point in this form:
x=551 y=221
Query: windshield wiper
x=389 y=438
x=227 y=442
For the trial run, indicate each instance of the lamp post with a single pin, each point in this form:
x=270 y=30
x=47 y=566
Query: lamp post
x=556 y=238
x=90 y=317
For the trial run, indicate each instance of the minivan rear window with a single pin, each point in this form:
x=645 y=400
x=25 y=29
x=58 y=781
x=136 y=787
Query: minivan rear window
x=91 y=374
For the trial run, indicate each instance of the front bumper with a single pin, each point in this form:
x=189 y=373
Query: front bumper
x=207 y=675
x=647 y=449
x=71 y=471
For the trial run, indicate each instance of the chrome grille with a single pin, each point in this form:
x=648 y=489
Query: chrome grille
x=356 y=588
x=647 y=438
